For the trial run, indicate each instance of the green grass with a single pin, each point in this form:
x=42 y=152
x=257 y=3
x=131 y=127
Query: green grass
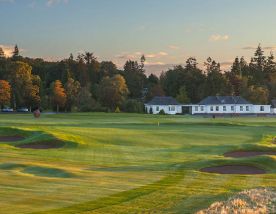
x=126 y=163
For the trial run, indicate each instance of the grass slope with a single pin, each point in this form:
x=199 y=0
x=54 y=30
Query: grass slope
x=126 y=163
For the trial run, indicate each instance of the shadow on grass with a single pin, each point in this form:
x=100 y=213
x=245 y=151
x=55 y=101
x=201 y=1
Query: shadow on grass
x=41 y=171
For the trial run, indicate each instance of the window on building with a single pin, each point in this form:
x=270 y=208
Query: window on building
x=247 y=108
x=232 y=108
x=224 y=108
x=202 y=108
x=217 y=108
x=261 y=108
x=157 y=108
x=241 y=108
x=211 y=108
x=196 y=108
x=172 y=108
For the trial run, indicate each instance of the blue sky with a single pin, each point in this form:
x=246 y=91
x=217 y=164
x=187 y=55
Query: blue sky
x=166 y=31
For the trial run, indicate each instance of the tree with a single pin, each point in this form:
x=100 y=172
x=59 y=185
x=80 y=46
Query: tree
x=58 y=95
x=85 y=100
x=236 y=67
x=72 y=89
x=25 y=86
x=152 y=80
x=257 y=95
x=2 y=54
x=32 y=96
x=194 y=80
x=216 y=83
x=135 y=78
x=113 y=91
x=182 y=96
x=107 y=68
x=257 y=67
x=133 y=106
x=155 y=90
x=15 y=53
x=5 y=92
x=171 y=80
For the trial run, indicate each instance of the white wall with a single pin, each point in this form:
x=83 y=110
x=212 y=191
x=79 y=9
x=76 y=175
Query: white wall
x=231 y=109
x=173 y=109
x=262 y=109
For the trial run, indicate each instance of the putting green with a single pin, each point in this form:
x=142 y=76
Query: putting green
x=126 y=163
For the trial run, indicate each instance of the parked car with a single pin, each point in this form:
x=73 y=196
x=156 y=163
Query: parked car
x=22 y=110
x=7 y=109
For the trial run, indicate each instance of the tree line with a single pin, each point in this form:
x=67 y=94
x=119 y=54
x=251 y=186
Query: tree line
x=86 y=84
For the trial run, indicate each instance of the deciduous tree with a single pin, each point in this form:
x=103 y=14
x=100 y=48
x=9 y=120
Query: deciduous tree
x=58 y=95
x=72 y=89
x=113 y=91
x=5 y=92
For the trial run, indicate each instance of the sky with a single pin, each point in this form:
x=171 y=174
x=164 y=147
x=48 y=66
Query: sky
x=166 y=31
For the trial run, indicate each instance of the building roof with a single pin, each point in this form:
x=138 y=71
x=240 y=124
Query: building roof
x=163 y=101
x=224 y=100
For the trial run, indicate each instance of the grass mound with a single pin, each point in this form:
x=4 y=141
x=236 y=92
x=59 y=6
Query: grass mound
x=47 y=172
x=255 y=201
x=10 y=166
x=37 y=170
x=234 y=169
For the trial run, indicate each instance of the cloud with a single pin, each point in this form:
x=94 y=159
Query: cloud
x=218 y=37
x=154 y=63
x=157 y=69
x=174 y=47
x=156 y=55
x=50 y=3
x=270 y=48
x=138 y=54
x=249 y=48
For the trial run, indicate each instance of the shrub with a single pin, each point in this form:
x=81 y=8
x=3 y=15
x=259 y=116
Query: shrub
x=133 y=106
x=117 y=110
x=162 y=112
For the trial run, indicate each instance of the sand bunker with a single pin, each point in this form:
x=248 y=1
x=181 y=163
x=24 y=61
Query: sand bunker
x=43 y=145
x=11 y=138
x=234 y=169
x=243 y=154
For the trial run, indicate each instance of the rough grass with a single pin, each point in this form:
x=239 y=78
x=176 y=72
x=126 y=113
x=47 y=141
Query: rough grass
x=254 y=201
x=126 y=163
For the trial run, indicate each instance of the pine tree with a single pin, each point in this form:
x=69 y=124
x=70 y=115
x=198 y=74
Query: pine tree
x=15 y=52
x=236 y=67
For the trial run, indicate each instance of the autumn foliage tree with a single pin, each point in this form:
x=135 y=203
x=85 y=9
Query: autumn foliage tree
x=5 y=92
x=113 y=91
x=25 y=86
x=59 y=96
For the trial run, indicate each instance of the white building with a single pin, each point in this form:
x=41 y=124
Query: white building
x=227 y=105
x=168 y=104
x=273 y=109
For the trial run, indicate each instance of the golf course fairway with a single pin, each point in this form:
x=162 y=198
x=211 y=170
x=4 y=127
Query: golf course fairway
x=128 y=163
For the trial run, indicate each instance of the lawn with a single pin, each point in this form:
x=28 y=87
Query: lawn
x=126 y=163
